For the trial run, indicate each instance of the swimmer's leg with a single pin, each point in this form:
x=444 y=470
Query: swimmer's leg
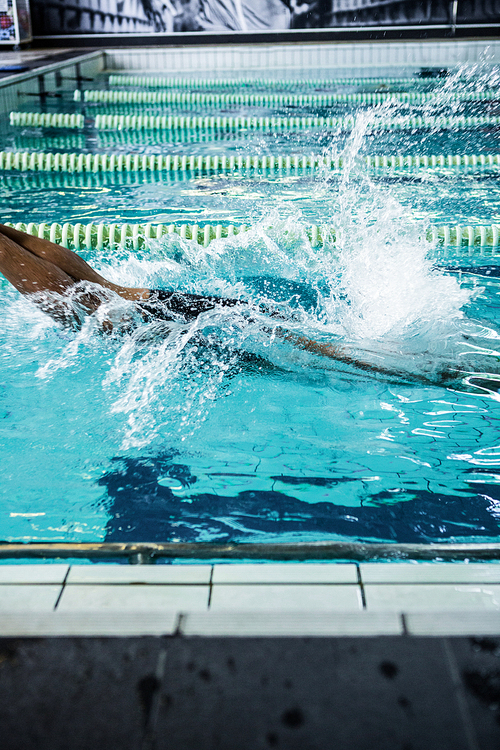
x=339 y=354
x=30 y=274
x=68 y=262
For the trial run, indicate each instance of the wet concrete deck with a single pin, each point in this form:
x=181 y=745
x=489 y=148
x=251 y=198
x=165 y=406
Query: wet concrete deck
x=181 y=693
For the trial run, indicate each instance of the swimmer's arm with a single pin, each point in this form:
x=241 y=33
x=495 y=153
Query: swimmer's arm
x=330 y=351
x=441 y=377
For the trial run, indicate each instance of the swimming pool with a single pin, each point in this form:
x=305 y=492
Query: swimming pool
x=156 y=435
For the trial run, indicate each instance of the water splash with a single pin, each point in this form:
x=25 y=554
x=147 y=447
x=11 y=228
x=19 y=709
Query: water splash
x=375 y=291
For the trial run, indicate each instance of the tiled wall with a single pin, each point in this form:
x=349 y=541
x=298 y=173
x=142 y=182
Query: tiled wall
x=362 y=58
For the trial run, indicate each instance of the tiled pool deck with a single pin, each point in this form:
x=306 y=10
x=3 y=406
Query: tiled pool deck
x=251 y=599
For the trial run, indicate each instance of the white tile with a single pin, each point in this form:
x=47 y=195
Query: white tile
x=113 y=623
x=166 y=574
x=227 y=62
x=224 y=623
x=337 y=58
x=28 y=597
x=430 y=573
x=286 y=573
x=41 y=573
x=324 y=597
x=430 y=596
x=453 y=623
x=84 y=597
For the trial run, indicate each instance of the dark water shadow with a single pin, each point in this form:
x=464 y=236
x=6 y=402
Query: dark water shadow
x=142 y=510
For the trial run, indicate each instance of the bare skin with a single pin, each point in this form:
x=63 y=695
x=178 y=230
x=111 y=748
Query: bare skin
x=33 y=266
x=330 y=351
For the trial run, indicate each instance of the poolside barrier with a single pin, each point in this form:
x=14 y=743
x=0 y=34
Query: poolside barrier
x=47 y=120
x=144 y=553
x=35 y=161
x=79 y=236
x=270 y=124
x=208 y=83
x=271 y=100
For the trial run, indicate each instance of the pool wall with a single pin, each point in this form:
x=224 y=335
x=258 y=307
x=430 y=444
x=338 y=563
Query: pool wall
x=358 y=58
x=315 y=599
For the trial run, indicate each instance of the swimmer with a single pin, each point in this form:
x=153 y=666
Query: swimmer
x=35 y=266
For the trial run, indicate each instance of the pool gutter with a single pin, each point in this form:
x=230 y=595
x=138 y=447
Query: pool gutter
x=149 y=552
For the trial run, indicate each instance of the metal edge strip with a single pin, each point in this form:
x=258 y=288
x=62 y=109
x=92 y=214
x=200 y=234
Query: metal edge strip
x=144 y=552
x=271 y=32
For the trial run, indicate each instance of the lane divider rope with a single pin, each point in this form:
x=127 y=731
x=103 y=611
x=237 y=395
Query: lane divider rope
x=169 y=122
x=272 y=100
x=205 y=83
x=34 y=161
x=220 y=123
x=79 y=236
x=47 y=120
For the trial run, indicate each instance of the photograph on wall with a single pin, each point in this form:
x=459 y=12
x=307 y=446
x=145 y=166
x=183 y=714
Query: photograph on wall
x=243 y=16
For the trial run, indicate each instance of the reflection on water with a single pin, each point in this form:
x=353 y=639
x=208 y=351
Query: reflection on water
x=143 y=509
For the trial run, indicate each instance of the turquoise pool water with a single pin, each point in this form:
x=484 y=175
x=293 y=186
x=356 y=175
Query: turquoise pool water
x=223 y=430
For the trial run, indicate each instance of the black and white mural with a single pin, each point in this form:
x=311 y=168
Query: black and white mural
x=226 y=16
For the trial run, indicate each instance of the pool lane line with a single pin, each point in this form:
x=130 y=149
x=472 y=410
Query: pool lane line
x=78 y=236
x=204 y=83
x=278 y=124
x=39 y=161
x=224 y=123
x=229 y=124
x=276 y=99
x=37 y=119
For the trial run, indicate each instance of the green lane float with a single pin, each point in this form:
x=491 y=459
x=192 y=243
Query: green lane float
x=271 y=100
x=273 y=124
x=47 y=120
x=208 y=83
x=433 y=161
x=87 y=236
x=35 y=161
